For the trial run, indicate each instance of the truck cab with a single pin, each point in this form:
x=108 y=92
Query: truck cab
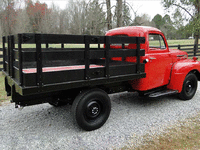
x=162 y=65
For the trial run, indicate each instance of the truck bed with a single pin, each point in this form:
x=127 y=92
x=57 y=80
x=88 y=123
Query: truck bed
x=42 y=70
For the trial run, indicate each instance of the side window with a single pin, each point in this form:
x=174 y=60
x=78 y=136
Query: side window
x=156 y=41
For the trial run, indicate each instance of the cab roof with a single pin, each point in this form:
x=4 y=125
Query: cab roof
x=132 y=30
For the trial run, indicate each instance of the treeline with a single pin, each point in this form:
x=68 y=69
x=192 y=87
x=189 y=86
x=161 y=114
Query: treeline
x=79 y=17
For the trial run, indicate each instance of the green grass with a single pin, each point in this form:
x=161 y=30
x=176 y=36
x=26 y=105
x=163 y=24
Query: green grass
x=182 y=135
x=181 y=42
x=3 y=96
x=175 y=42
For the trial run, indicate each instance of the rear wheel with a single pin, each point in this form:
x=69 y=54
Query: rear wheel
x=189 y=87
x=91 y=109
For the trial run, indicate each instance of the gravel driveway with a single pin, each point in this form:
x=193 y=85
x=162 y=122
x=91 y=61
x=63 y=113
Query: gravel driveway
x=48 y=128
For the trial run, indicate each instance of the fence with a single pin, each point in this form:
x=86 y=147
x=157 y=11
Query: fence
x=192 y=50
x=1 y=59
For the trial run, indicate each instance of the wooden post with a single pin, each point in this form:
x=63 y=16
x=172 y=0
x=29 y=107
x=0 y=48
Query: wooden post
x=39 y=60
x=107 y=74
x=195 y=49
x=87 y=57
x=12 y=46
x=20 y=59
x=179 y=47
x=4 y=53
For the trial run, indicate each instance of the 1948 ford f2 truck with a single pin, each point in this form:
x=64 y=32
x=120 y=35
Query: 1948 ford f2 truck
x=131 y=59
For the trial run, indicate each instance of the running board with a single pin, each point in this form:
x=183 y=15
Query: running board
x=162 y=93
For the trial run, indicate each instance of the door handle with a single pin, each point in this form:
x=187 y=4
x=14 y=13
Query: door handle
x=145 y=61
x=152 y=58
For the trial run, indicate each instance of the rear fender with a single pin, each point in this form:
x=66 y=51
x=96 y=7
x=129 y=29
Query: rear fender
x=180 y=70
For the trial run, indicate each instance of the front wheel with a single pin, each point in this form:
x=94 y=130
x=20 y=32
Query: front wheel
x=189 y=87
x=91 y=109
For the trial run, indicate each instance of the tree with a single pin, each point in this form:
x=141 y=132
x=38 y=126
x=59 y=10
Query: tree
x=167 y=28
x=50 y=22
x=8 y=16
x=36 y=12
x=158 y=20
x=167 y=19
x=109 y=14
x=143 y=20
x=184 y=31
x=77 y=17
x=190 y=9
x=22 y=22
x=126 y=20
x=119 y=13
x=85 y=18
x=122 y=16
x=95 y=18
x=63 y=22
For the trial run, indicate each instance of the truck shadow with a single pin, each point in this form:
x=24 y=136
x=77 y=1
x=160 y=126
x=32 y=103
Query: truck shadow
x=50 y=119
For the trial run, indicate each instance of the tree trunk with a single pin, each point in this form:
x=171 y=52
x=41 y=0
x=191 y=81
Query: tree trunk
x=109 y=17
x=119 y=13
x=196 y=42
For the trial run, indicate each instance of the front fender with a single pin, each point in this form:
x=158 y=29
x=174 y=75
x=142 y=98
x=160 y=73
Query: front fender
x=179 y=71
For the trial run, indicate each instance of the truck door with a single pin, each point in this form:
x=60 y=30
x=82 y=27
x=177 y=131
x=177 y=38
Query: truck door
x=158 y=66
x=160 y=62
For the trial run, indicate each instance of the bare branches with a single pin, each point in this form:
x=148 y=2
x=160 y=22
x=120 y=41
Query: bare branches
x=194 y=17
x=184 y=10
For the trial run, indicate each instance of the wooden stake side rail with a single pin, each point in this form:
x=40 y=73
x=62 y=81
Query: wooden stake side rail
x=35 y=68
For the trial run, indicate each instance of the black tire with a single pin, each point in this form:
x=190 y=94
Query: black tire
x=91 y=109
x=189 y=87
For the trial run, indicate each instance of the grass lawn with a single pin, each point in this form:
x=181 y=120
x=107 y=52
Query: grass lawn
x=181 y=42
x=3 y=96
x=182 y=135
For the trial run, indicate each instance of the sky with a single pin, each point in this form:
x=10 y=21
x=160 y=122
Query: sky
x=150 y=7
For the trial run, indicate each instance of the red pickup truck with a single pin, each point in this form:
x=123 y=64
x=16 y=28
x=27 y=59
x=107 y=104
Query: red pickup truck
x=163 y=66
x=134 y=59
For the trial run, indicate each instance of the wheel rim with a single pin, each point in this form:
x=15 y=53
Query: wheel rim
x=189 y=87
x=93 y=109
